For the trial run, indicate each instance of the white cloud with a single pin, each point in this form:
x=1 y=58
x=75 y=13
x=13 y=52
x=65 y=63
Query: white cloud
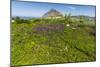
x=72 y=8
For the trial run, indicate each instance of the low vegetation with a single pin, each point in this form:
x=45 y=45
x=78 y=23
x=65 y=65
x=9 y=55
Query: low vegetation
x=46 y=41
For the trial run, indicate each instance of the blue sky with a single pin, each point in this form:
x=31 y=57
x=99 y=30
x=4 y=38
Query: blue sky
x=36 y=9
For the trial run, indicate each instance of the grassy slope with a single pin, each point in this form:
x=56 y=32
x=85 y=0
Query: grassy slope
x=71 y=45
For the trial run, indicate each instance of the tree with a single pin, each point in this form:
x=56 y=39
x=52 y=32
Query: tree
x=69 y=18
x=65 y=16
x=17 y=19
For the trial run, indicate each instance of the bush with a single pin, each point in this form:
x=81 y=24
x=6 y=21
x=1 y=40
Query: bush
x=19 y=20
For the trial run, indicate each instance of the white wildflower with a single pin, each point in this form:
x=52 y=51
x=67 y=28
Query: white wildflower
x=67 y=25
x=66 y=48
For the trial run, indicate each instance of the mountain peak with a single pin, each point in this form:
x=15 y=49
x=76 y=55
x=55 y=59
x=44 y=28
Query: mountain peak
x=52 y=13
x=53 y=9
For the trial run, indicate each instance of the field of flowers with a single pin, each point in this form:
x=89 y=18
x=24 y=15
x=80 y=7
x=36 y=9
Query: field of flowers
x=46 y=41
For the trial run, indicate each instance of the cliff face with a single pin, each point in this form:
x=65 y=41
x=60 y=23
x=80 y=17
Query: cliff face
x=52 y=13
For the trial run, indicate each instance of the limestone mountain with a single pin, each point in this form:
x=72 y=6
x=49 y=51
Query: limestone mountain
x=52 y=13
